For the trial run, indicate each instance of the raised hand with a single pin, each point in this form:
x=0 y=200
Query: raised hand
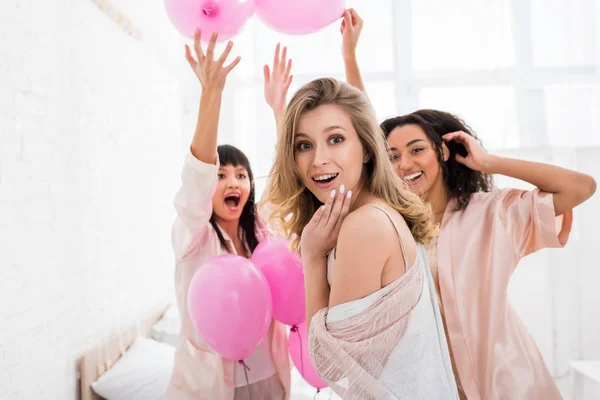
x=278 y=80
x=350 y=29
x=211 y=73
x=477 y=158
x=320 y=235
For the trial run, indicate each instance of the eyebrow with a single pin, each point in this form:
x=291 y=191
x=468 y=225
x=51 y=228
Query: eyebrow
x=334 y=127
x=328 y=129
x=408 y=144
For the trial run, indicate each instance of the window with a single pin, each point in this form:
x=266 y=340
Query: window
x=490 y=111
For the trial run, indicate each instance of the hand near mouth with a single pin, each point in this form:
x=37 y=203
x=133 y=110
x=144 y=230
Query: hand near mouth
x=320 y=234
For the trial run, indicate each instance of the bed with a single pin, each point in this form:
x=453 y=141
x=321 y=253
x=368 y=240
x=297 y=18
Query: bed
x=148 y=363
x=98 y=360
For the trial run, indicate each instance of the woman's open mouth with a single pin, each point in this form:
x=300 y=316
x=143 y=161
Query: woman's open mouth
x=325 y=180
x=413 y=178
x=232 y=202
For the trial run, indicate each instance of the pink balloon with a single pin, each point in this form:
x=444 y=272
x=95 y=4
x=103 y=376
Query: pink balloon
x=230 y=305
x=223 y=16
x=298 y=345
x=283 y=271
x=299 y=17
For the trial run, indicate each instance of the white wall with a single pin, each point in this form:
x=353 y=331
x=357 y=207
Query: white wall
x=90 y=154
x=589 y=273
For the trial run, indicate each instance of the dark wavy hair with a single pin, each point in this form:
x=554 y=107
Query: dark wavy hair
x=460 y=180
x=230 y=155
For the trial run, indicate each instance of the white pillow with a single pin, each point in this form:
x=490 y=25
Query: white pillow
x=142 y=373
x=166 y=330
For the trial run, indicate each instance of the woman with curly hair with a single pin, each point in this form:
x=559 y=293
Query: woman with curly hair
x=484 y=233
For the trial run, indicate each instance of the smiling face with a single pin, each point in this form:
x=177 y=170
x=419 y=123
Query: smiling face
x=414 y=158
x=231 y=194
x=328 y=151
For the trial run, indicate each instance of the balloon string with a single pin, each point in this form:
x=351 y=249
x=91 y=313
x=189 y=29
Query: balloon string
x=295 y=329
x=246 y=369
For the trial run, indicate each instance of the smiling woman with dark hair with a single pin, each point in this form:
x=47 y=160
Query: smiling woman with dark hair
x=461 y=181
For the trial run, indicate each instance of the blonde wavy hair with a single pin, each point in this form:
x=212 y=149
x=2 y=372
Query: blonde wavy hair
x=290 y=202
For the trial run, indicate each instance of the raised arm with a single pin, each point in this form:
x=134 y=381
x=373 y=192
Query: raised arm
x=193 y=201
x=351 y=27
x=212 y=75
x=569 y=188
x=278 y=79
x=277 y=82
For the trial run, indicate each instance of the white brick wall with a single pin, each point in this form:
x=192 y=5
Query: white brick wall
x=90 y=154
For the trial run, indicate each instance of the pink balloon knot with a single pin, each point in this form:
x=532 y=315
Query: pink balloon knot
x=246 y=367
x=294 y=328
x=211 y=10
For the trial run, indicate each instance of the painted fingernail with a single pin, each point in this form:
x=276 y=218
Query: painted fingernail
x=342 y=188
x=322 y=207
x=332 y=194
x=349 y=194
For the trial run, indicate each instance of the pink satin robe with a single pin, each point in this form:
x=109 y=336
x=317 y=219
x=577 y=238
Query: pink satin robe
x=199 y=372
x=478 y=249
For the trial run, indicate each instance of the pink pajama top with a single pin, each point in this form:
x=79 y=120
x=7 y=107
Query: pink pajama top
x=199 y=372
x=478 y=249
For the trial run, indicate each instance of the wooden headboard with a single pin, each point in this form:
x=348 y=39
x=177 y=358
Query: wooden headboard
x=98 y=360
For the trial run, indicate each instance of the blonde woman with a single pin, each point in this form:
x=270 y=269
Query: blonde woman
x=374 y=325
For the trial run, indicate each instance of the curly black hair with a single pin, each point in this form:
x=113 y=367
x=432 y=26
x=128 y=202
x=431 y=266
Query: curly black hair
x=460 y=180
